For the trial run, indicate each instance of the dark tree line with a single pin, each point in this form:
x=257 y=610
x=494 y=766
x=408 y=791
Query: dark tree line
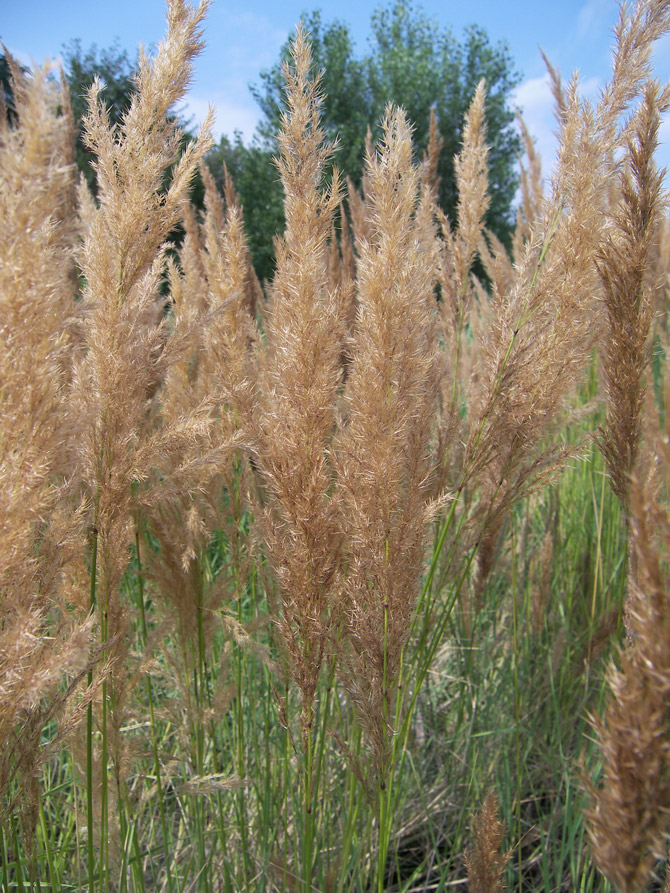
x=410 y=61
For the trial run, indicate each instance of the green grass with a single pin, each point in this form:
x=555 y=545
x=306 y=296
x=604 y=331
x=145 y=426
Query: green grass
x=214 y=796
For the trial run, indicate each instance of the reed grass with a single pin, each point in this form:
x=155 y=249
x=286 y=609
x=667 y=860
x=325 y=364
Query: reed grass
x=296 y=575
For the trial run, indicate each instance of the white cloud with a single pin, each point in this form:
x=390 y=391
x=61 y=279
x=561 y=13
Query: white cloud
x=592 y=16
x=229 y=116
x=29 y=61
x=663 y=153
x=535 y=99
x=244 y=41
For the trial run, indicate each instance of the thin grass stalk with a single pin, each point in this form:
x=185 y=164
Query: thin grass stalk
x=599 y=534
x=137 y=868
x=54 y=879
x=152 y=715
x=18 y=860
x=354 y=805
x=382 y=451
x=322 y=824
x=428 y=652
x=287 y=757
x=126 y=839
x=403 y=721
x=383 y=783
x=134 y=862
x=104 y=755
x=218 y=769
x=200 y=684
x=387 y=788
x=206 y=687
x=89 y=731
x=308 y=811
x=517 y=701
x=240 y=768
x=4 y=867
x=267 y=781
x=75 y=823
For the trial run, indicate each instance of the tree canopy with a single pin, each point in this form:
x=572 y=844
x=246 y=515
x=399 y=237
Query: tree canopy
x=256 y=180
x=412 y=62
x=116 y=71
x=6 y=92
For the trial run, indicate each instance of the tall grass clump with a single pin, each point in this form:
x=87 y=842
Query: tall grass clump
x=293 y=576
x=45 y=643
x=629 y=809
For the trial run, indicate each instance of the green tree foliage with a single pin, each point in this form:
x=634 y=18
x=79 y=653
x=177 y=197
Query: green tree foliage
x=116 y=71
x=113 y=66
x=6 y=92
x=348 y=107
x=256 y=180
x=414 y=63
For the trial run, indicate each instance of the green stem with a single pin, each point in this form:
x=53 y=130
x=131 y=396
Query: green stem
x=4 y=866
x=354 y=804
x=152 y=718
x=17 y=860
x=308 y=811
x=323 y=731
x=400 y=740
x=104 y=798
x=240 y=739
x=200 y=696
x=386 y=777
x=517 y=703
x=54 y=880
x=89 y=732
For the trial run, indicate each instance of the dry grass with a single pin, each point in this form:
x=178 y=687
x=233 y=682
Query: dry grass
x=216 y=507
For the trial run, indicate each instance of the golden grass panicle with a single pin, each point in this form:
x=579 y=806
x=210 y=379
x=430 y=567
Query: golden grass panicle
x=41 y=639
x=431 y=157
x=228 y=361
x=341 y=281
x=484 y=861
x=557 y=90
x=623 y=265
x=210 y=299
x=628 y=819
x=299 y=376
x=543 y=328
x=382 y=449
x=357 y=212
x=123 y=259
x=472 y=182
x=532 y=192
x=661 y=267
x=128 y=349
x=37 y=303
x=458 y=250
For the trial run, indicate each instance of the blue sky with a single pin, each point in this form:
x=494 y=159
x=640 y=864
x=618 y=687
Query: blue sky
x=243 y=39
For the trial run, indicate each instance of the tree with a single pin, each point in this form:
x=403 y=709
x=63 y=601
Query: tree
x=113 y=66
x=417 y=66
x=348 y=106
x=6 y=90
x=413 y=63
x=116 y=71
x=256 y=180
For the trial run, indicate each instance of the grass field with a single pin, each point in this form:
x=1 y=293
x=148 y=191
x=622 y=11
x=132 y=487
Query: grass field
x=355 y=580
